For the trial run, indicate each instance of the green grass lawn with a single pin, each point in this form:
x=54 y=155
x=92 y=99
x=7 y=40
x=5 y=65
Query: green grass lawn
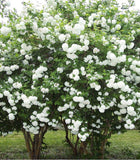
x=123 y=146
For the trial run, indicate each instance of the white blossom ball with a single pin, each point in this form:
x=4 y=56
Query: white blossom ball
x=62 y=37
x=11 y=116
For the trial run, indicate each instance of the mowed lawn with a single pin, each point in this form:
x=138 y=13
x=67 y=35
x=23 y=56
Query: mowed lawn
x=123 y=146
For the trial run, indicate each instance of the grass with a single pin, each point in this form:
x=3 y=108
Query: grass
x=123 y=146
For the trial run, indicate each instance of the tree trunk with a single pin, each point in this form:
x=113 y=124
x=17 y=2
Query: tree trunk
x=34 y=143
x=73 y=145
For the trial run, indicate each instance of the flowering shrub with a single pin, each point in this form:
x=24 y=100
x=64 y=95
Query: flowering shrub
x=74 y=62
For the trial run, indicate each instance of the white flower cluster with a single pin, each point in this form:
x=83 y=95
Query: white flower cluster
x=39 y=72
x=88 y=59
x=135 y=67
x=45 y=90
x=78 y=27
x=60 y=69
x=21 y=26
x=25 y=48
x=29 y=101
x=75 y=75
x=83 y=137
x=113 y=60
x=65 y=107
x=119 y=85
x=8 y=69
x=5 y=30
x=12 y=111
x=17 y=85
x=75 y=126
x=96 y=86
x=129 y=124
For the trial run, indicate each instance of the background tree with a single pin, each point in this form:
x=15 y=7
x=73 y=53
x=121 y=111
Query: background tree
x=70 y=62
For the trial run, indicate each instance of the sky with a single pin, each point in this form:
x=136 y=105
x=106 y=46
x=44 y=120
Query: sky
x=17 y=3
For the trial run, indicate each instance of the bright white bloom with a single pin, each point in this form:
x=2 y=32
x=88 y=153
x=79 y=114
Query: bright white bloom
x=1 y=95
x=35 y=123
x=11 y=116
x=67 y=121
x=102 y=109
x=62 y=37
x=60 y=69
x=114 y=21
x=96 y=50
x=78 y=99
x=131 y=45
x=65 y=46
x=5 y=30
x=130 y=111
x=118 y=27
x=17 y=85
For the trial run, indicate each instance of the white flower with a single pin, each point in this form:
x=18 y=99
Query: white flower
x=62 y=37
x=130 y=111
x=1 y=95
x=86 y=42
x=75 y=71
x=60 y=69
x=78 y=28
x=114 y=21
x=65 y=46
x=123 y=111
x=131 y=45
x=81 y=105
x=125 y=20
x=74 y=75
x=111 y=55
x=118 y=27
x=35 y=123
x=6 y=93
x=78 y=99
x=128 y=121
x=96 y=50
x=76 y=78
x=44 y=90
x=5 y=30
x=21 y=26
x=72 y=56
x=102 y=109
x=17 y=85
x=67 y=121
x=11 y=116
x=97 y=87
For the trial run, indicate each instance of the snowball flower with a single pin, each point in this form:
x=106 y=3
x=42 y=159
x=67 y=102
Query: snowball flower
x=62 y=37
x=74 y=75
x=35 y=123
x=78 y=28
x=6 y=93
x=111 y=55
x=131 y=45
x=78 y=99
x=65 y=46
x=118 y=27
x=60 y=69
x=102 y=109
x=96 y=50
x=130 y=111
x=11 y=116
x=5 y=30
x=67 y=121
x=17 y=85
x=114 y=21
x=1 y=95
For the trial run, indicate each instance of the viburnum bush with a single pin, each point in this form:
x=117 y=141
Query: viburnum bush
x=71 y=62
